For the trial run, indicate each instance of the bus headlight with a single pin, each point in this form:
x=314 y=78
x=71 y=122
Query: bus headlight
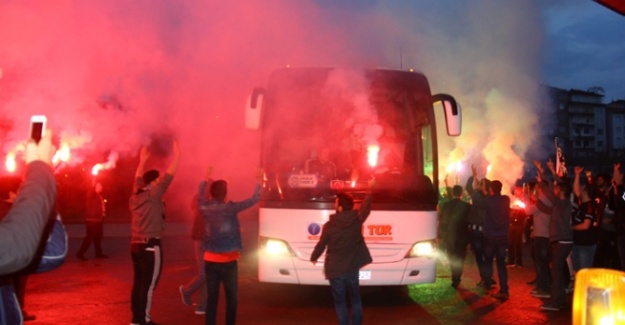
x=273 y=246
x=422 y=249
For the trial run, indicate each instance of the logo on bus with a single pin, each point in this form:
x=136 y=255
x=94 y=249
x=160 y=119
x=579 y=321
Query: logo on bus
x=314 y=229
x=378 y=232
x=369 y=232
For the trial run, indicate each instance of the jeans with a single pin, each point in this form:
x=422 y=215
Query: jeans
x=541 y=258
x=216 y=274
x=147 y=264
x=457 y=255
x=583 y=256
x=620 y=248
x=476 y=241
x=94 y=234
x=199 y=281
x=515 y=249
x=495 y=247
x=341 y=285
x=559 y=253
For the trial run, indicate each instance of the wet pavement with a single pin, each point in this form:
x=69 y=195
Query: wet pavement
x=97 y=291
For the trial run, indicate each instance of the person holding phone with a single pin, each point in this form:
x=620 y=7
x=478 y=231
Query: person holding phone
x=28 y=216
x=31 y=210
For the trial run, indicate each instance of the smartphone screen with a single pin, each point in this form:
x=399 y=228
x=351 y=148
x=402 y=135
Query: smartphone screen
x=36 y=131
x=37 y=126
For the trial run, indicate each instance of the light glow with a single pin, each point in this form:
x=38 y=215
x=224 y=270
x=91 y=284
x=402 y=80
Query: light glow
x=422 y=249
x=62 y=155
x=96 y=169
x=276 y=247
x=111 y=163
x=10 y=162
x=518 y=204
x=372 y=154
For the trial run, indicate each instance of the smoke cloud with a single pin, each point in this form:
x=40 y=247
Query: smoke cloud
x=112 y=76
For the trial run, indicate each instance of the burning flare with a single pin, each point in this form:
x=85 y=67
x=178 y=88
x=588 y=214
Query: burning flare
x=111 y=163
x=62 y=155
x=10 y=162
x=518 y=204
x=372 y=154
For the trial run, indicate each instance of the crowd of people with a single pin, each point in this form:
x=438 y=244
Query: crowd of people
x=33 y=239
x=571 y=223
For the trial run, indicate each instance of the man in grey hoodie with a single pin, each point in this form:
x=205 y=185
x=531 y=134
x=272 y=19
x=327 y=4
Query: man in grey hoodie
x=147 y=223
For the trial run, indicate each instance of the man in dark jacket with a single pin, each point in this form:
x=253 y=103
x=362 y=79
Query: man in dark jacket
x=347 y=253
x=94 y=219
x=454 y=233
x=496 y=227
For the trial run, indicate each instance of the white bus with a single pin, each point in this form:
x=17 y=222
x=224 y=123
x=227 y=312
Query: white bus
x=369 y=123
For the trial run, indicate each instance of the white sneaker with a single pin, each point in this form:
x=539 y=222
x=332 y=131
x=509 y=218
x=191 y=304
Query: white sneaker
x=199 y=312
x=185 y=299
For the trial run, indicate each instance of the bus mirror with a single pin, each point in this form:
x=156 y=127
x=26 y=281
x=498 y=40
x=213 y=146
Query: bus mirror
x=253 y=108
x=453 y=116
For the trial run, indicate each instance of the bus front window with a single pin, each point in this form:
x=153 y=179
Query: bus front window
x=321 y=137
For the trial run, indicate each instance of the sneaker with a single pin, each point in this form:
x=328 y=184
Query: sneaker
x=533 y=282
x=484 y=286
x=501 y=295
x=550 y=307
x=200 y=311
x=28 y=317
x=185 y=298
x=540 y=294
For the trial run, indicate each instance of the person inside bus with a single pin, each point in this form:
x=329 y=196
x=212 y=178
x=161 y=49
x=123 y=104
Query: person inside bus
x=322 y=166
x=347 y=252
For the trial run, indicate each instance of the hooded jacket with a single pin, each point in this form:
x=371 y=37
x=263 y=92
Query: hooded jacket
x=342 y=236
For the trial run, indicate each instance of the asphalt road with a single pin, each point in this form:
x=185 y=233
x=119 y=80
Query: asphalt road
x=97 y=291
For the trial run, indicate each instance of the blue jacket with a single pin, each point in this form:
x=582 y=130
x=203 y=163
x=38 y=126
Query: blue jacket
x=222 y=230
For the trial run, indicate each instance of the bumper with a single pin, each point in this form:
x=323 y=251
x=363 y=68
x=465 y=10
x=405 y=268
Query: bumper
x=280 y=269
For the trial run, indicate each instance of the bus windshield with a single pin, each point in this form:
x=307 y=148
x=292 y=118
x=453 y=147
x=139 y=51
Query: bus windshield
x=330 y=130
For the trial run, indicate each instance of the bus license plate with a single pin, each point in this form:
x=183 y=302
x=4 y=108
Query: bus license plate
x=364 y=275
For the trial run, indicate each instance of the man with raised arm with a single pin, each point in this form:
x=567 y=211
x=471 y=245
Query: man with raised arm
x=346 y=253
x=25 y=223
x=148 y=221
x=560 y=233
x=222 y=244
